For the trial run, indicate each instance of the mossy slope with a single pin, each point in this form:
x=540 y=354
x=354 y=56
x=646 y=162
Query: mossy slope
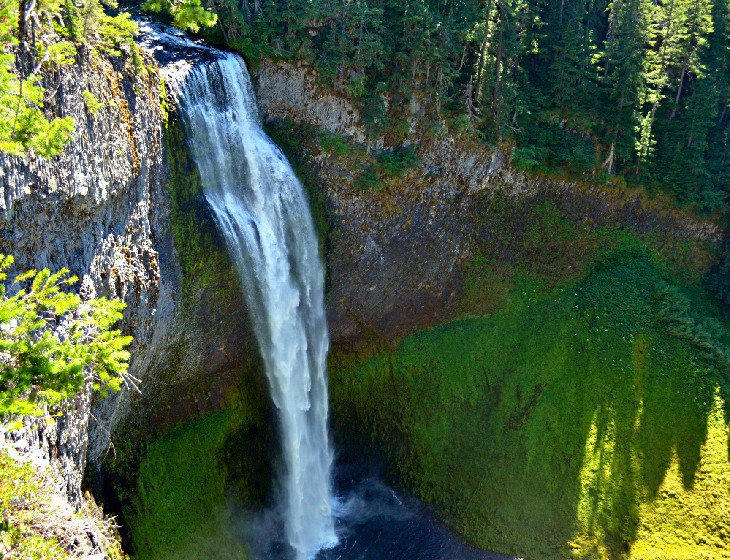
x=568 y=424
x=192 y=484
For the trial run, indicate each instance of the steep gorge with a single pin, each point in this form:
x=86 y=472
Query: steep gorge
x=461 y=234
x=458 y=234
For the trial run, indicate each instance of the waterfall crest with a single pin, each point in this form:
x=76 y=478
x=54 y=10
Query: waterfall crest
x=262 y=211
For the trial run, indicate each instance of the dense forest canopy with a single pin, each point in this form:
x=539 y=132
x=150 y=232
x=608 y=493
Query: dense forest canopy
x=623 y=91
x=636 y=89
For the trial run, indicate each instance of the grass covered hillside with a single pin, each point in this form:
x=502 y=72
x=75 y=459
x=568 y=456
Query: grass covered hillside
x=577 y=408
x=179 y=506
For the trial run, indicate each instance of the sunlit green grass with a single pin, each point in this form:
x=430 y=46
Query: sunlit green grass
x=567 y=424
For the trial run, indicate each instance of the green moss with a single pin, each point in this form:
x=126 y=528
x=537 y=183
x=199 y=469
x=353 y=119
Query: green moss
x=204 y=261
x=488 y=286
x=179 y=491
x=187 y=484
x=568 y=424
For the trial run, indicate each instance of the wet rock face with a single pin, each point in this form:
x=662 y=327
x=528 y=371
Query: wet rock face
x=398 y=255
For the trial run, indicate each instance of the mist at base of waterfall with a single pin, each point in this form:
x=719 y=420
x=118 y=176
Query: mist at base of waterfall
x=373 y=522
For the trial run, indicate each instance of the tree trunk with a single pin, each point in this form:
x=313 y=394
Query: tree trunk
x=22 y=6
x=608 y=164
x=25 y=54
x=611 y=159
x=469 y=98
x=497 y=83
x=679 y=93
x=482 y=58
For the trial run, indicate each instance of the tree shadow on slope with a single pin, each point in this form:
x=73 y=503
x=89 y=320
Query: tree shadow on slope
x=542 y=431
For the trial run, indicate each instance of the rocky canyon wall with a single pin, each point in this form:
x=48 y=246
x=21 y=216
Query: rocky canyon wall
x=122 y=208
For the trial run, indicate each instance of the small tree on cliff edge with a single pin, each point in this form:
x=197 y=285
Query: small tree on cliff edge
x=38 y=36
x=52 y=343
x=23 y=126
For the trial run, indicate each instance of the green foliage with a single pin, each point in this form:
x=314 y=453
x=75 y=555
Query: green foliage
x=119 y=31
x=166 y=511
x=23 y=126
x=34 y=527
x=388 y=166
x=21 y=500
x=38 y=37
x=91 y=102
x=368 y=180
x=558 y=427
x=395 y=163
x=526 y=159
x=704 y=333
x=52 y=343
x=333 y=143
x=718 y=280
x=626 y=87
x=189 y=15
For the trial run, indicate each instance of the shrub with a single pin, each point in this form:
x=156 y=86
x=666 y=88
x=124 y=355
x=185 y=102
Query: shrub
x=333 y=143
x=20 y=501
x=52 y=343
x=91 y=102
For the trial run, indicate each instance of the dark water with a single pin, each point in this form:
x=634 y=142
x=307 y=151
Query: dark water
x=376 y=523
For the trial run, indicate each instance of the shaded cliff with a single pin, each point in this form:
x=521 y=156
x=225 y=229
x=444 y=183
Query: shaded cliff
x=400 y=238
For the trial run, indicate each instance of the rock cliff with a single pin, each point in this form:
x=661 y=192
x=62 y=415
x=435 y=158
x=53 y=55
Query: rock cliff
x=94 y=209
x=397 y=254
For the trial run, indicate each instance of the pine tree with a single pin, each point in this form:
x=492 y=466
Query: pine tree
x=570 y=52
x=678 y=34
x=23 y=126
x=186 y=14
x=718 y=137
x=52 y=343
x=505 y=38
x=621 y=77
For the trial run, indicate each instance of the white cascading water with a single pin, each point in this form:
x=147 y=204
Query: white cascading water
x=261 y=208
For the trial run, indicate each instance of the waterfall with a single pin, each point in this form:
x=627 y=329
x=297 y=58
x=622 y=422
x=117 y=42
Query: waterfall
x=262 y=211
